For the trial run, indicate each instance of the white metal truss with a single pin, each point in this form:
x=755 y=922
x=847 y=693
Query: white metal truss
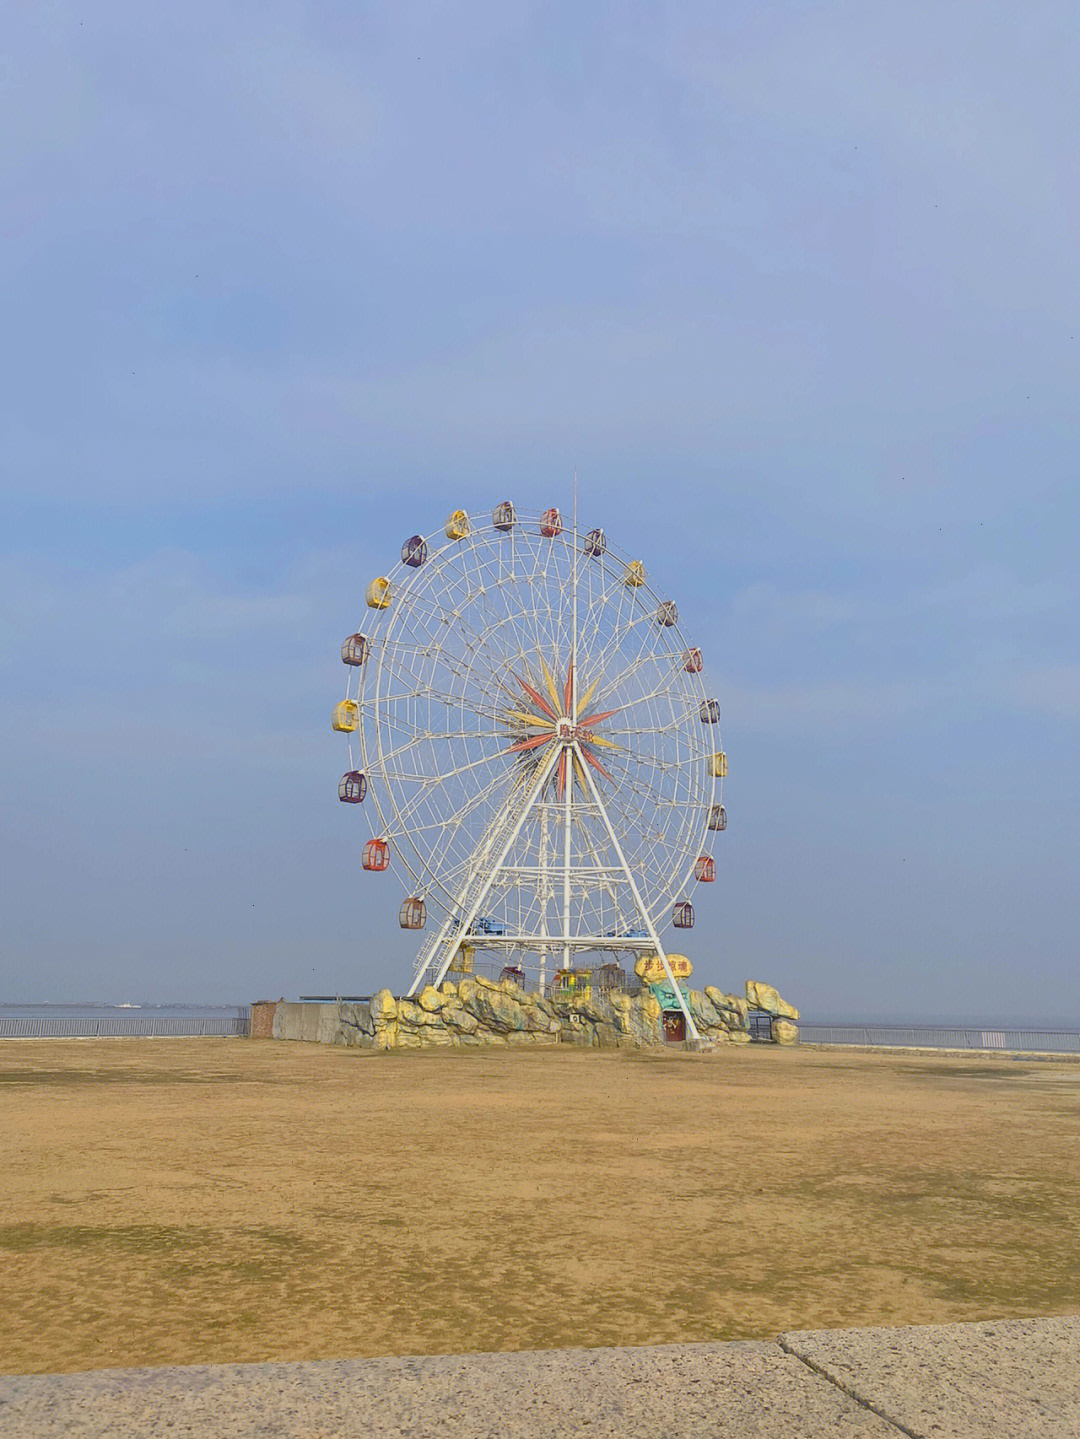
x=536 y=748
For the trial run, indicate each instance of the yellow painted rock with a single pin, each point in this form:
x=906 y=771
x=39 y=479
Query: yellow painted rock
x=456 y=1017
x=738 y=1036
x=431 y=999
x=449 y=988
x=784 y=1032
x=764 y=996
x=383 y=1008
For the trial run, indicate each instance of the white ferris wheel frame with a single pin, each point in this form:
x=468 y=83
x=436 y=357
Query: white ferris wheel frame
x=451 y=648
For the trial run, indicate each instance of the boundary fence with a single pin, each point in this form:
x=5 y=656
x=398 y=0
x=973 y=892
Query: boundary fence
x=105 y=1026
x=909 y=1036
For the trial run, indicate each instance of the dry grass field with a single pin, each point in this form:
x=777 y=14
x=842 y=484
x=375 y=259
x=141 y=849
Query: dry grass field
x=186 y=1201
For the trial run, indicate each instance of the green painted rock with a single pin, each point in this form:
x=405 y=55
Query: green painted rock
x=495 y=1009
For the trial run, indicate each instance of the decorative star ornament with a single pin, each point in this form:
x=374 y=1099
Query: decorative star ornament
x=551 y=722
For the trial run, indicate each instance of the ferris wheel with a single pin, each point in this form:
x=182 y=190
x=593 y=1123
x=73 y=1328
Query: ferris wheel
x=530 y=734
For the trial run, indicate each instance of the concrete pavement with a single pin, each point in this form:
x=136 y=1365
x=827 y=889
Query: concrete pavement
x=1016 y=1378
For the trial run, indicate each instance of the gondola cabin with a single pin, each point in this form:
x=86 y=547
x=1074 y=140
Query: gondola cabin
x=595 y=544
x=458 y=526
x=414 y=552
x=709 y=712
x=352 y=787
x=503 y=516
x=717 y=817
x=355 y=650
x=346 y=716
x=413 y=913
x=683 y=917
x=705 y=869
x=376 y=855
x=634 y=574
x=379 y=594
x=550 y=524
x=692 y=662
x=463 y=960
x=514 y=973
x=718 y=765
x=667 y=613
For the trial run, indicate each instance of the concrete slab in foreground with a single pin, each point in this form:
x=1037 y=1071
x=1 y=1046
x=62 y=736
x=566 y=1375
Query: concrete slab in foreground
x=1017 y=1378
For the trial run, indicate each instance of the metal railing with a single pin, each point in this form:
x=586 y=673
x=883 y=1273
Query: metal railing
x=104 y=1026
x=915 y=1036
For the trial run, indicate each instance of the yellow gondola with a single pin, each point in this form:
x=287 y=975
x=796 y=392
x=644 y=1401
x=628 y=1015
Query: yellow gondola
x=718 y=765
x=458 y=526
x=634 y=574
x=379 y=594
x=346 y=716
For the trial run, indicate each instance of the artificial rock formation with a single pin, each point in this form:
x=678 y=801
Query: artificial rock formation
x=478 y=1011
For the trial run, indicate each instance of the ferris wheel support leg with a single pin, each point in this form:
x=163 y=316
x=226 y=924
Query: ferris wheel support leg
x=423 y=969
x=567 y=817
x=691 y=1028
x=474 y=909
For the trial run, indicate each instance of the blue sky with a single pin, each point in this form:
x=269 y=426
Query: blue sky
x=793 y=286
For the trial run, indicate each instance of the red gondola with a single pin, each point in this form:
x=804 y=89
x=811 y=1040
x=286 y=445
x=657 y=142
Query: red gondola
x=684 y=915
x=355 y=650
x=352 y=787
x=413 y=913
x=503 y=516
x=414 y=551
x=376 y=854
x=709 y=712
x=705 y=869
x=691 y=662
x=667 y=614
x=595 y=544
x=550 y=524
x=514 y=973
x=717 y=817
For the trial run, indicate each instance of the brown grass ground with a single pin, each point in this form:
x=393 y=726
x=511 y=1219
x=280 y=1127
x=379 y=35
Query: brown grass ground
x=187 y=1201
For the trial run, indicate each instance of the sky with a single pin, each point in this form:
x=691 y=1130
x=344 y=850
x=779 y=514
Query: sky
x=793 y=286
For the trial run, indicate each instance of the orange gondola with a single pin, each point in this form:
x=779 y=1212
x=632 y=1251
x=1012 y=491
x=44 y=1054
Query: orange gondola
x=376 y=855
x=414 y=552
x=355 y=650
x=692 y=662
x=550 y=524
x=684 y=915
x=352 y=787
x=413 y=913
x=705 y=869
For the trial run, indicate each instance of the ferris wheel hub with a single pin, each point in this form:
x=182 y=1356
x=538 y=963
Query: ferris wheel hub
x=565 y=730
